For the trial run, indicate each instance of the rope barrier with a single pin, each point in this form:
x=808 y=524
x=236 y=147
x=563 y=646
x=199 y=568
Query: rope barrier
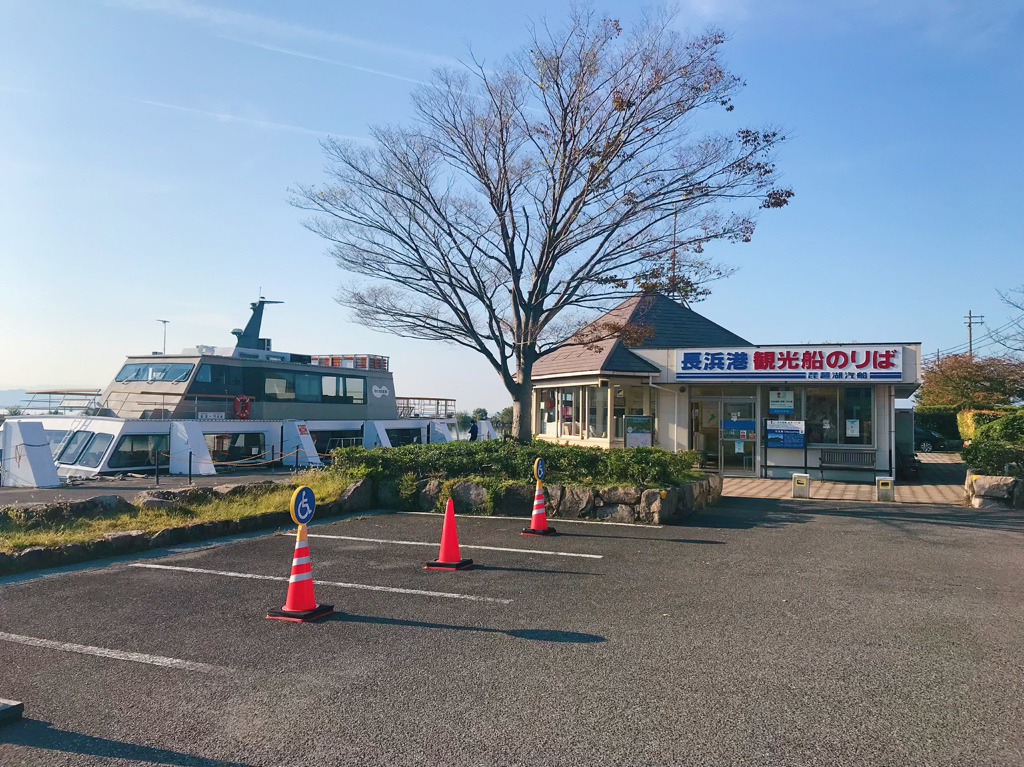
x=244 y=462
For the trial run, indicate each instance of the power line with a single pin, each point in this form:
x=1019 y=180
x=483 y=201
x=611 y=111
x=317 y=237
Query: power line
x=958 y=348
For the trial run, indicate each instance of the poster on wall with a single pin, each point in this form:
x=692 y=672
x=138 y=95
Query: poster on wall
x=788 y=435
x=639 y=430
x=852 y=427
x=781 y=402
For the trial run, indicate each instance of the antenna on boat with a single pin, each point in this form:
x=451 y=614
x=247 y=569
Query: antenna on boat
x=250 y=337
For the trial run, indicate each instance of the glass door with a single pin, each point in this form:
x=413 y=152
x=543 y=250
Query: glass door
x=738 y=438
x=706 y=417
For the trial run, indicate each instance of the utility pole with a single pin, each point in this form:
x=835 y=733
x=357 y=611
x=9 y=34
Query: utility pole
x=165 y=334
x=971 y=320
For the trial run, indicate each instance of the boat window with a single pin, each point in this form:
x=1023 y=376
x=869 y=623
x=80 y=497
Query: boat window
x=174 y=372
x=307 y=387
x=139 y=451
x=94 y=453
x=246 y=446
x=54 y=437
x=74 y=446
x=279 y=386
x=217 y=379
x=329 y=387
x=355 y=390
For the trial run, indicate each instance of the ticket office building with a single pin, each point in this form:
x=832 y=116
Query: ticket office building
x=754 y=411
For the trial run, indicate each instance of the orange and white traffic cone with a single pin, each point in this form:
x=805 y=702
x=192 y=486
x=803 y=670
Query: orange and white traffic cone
x=448 y=558
x=539 y=520
x=300 y=604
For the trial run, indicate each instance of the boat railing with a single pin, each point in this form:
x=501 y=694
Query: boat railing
x=352 y=361
x=425 y=407
x=61 y=401
x=153 y=406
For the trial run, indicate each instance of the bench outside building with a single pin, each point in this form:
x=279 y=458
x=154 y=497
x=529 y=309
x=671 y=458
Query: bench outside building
x=750 y=410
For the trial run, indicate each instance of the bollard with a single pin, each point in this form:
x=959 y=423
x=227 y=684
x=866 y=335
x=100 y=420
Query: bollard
x=801 y=485
x=190 y=468
x=885 y=489
x=156 y=468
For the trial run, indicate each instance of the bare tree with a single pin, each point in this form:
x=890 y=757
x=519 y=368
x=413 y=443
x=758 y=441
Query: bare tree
x=527 y=197
x=1011 y=336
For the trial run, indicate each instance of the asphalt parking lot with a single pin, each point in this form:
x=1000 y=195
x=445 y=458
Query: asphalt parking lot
x=763 y=632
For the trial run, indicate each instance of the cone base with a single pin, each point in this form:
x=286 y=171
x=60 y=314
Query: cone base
x=545 y=531
x=437 y=564
x=301 y=616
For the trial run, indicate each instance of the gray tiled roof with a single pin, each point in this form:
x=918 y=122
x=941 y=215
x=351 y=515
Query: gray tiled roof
x=672 y=325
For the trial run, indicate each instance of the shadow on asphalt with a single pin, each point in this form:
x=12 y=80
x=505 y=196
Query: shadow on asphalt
x=538 y=635
x=35 y=733
x=531 y=570
x=745 y=513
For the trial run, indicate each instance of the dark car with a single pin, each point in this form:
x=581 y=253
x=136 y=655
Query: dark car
x=926 y=440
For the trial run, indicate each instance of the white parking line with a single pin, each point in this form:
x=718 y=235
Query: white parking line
x=104 y=652
x=556 y=520
x=461 y=546
x=365 y=587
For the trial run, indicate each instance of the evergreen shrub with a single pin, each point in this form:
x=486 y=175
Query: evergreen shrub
x=513 y=462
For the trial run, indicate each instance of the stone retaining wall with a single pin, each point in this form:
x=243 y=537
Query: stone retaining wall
x=616 y=503
x=613 y=504
x=984 y=492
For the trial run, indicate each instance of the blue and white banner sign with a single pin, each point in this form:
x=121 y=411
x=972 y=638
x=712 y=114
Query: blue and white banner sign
x=852 y=362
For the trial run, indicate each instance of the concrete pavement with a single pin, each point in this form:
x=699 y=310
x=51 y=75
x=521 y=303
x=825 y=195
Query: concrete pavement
x=764 y=632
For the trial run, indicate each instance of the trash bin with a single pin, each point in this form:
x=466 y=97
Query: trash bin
x=885 y=489
x=801 y=485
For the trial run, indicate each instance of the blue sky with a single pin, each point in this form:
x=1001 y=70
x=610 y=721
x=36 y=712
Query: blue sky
x=146 y=149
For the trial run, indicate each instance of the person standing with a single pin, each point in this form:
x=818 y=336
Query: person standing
x=474 y=430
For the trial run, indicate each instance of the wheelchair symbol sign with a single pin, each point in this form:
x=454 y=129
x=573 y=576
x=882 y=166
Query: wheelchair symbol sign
x=538 y=469
x=303 y=505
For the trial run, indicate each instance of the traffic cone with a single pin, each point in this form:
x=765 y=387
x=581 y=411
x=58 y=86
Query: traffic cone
x=539 y=520
x=300 y=604
x=448 y=558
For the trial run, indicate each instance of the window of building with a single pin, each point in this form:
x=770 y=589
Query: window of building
x=548 y=412
x=247 y=446
x=355 y=390
x=139 y=451
x=857 y=415
x=619 y=411
x=93 y=454
x=175 y=372
x=597 y=412
x=824 y=405
x=569 y=411
x=71 y=451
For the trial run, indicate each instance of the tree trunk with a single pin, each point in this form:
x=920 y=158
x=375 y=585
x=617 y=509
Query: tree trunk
x=522 y=409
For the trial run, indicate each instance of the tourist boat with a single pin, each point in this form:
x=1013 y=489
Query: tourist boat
x=209 y=408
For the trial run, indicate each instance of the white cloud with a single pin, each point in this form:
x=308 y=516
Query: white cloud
x=254 y=25
x=255 y=122
x=325 y=60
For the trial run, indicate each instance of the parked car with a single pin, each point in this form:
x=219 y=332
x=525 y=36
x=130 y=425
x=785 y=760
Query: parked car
x=926 y=440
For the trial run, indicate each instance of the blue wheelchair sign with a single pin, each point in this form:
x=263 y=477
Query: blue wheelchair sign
x=303 y=505
x=538 y=469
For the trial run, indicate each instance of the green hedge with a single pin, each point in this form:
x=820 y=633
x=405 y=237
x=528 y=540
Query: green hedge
x=1007 y=428
x=938 y=418
x=644 y=466
x=969 y=420
x=994 y=458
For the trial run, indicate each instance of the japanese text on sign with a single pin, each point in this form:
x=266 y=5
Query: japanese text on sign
x=793 y=363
